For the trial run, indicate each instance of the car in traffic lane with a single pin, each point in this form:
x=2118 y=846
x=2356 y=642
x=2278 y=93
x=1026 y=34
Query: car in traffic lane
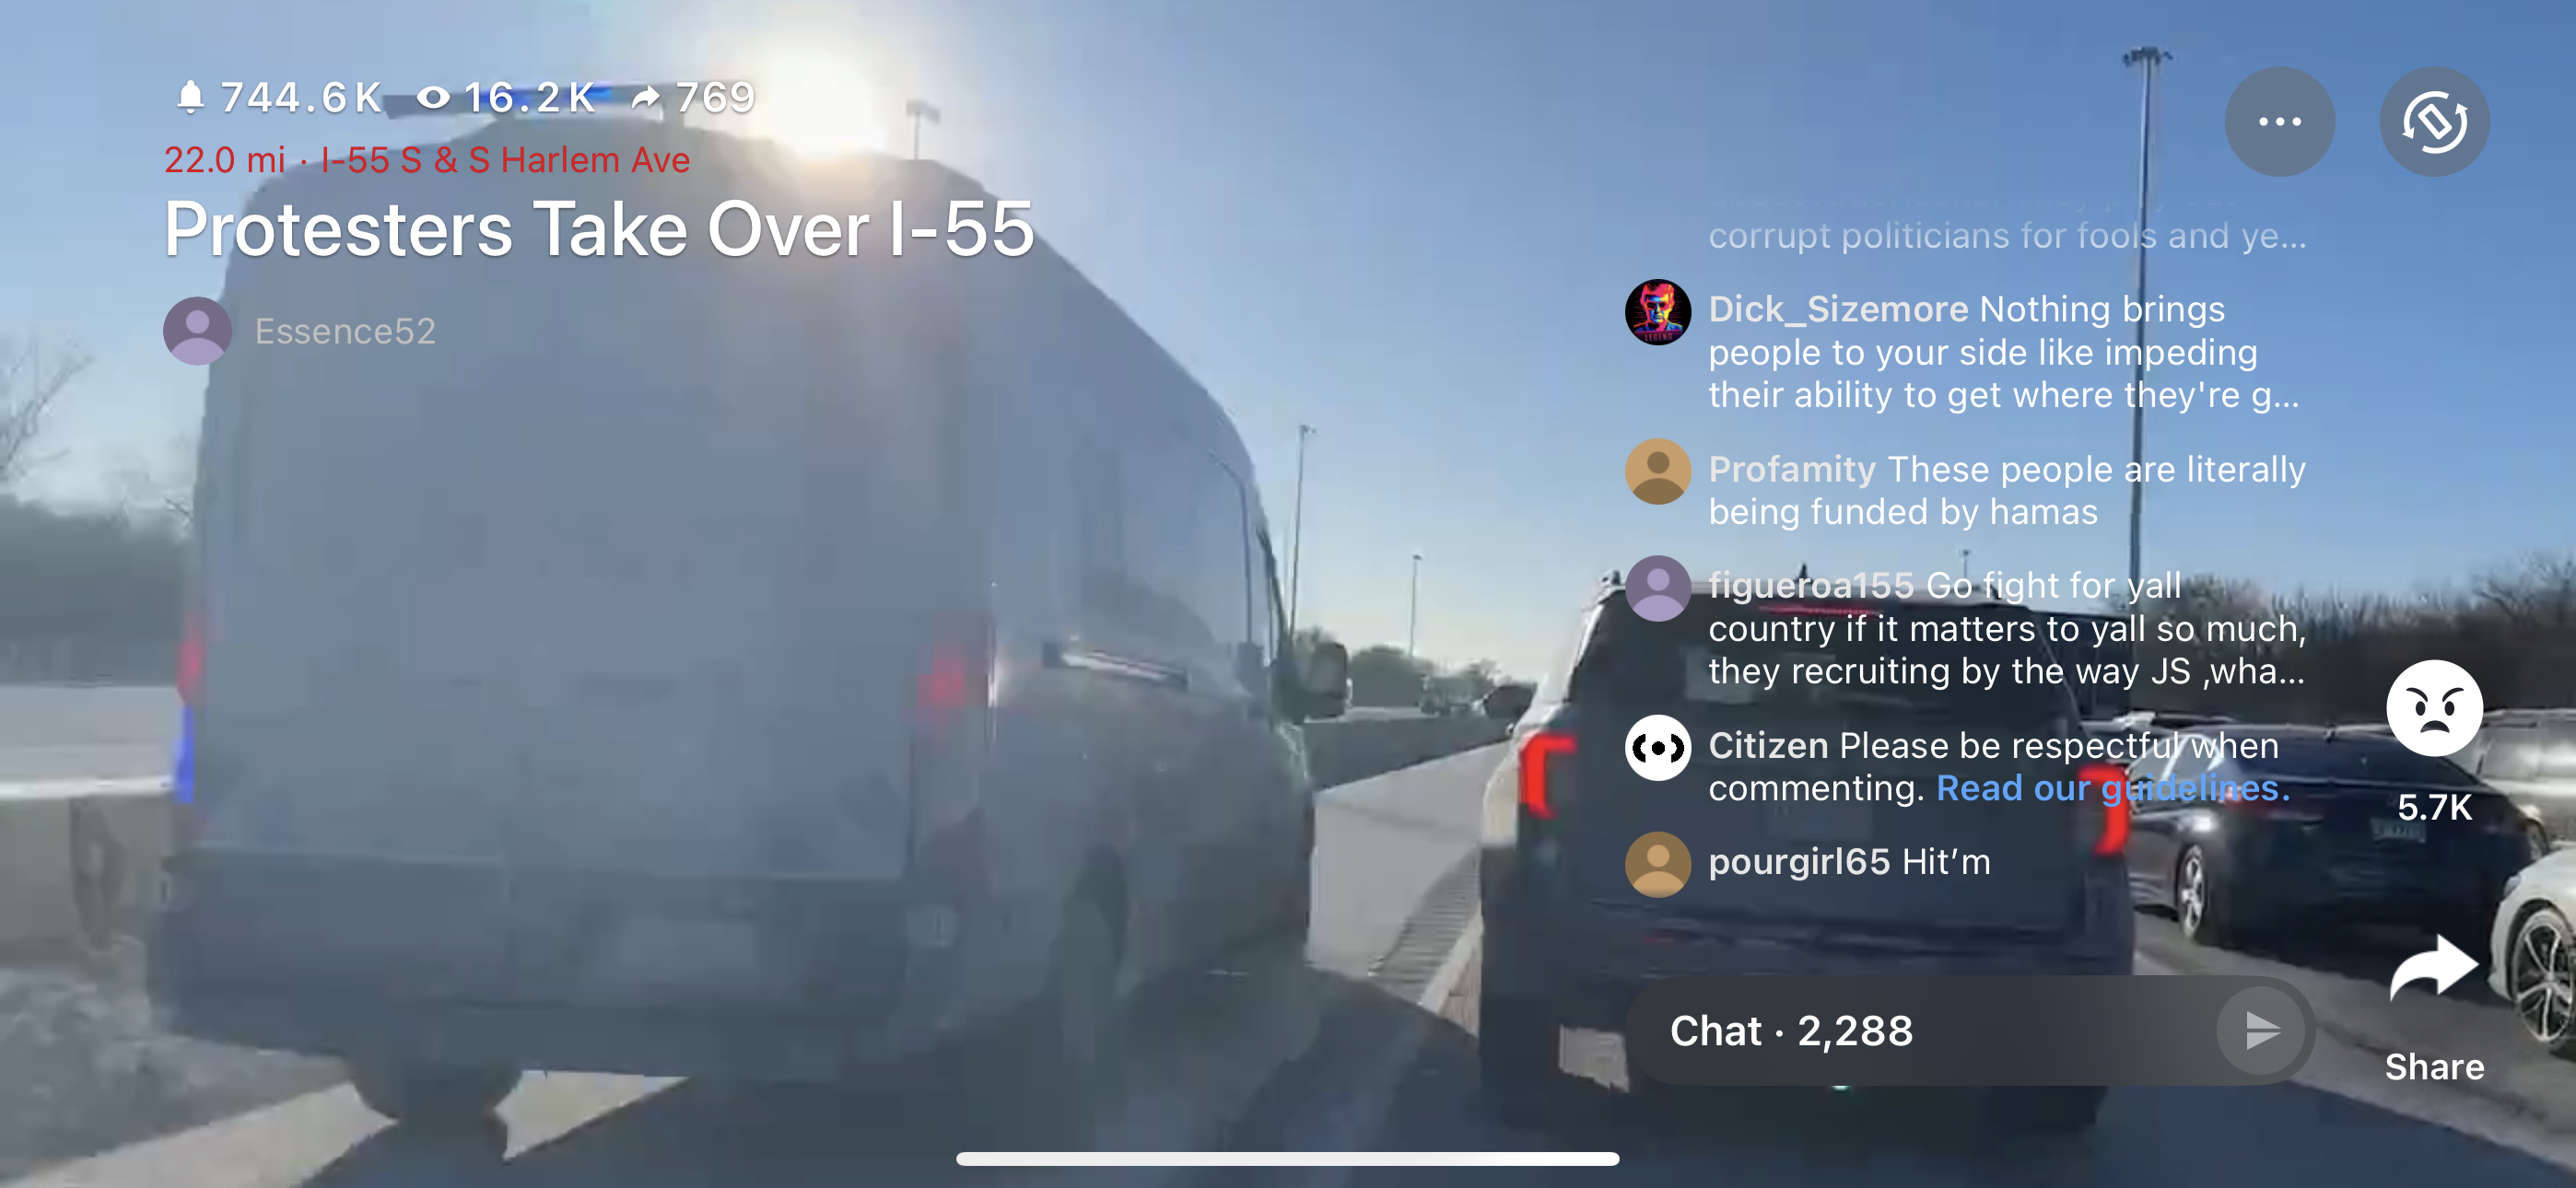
x=2242 y=830
x=2531 y=951
x=2529 y=755
x=1572 y=931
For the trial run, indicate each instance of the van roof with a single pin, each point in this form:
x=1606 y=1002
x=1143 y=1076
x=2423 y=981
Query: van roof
x=757 y=170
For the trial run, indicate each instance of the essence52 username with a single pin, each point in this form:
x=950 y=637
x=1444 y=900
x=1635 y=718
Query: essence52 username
x=398 y=332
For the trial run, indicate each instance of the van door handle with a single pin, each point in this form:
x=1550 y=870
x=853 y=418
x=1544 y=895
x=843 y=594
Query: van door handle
x=1058 y=654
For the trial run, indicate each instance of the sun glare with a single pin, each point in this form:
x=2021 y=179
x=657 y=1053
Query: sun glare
x=817 y=105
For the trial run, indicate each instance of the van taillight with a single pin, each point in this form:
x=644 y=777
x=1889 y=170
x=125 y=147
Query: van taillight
x=951 y=689
x=192 y=668
x=1535 y=752
x=2095 y=778
x=942 y=684
x=956 y=670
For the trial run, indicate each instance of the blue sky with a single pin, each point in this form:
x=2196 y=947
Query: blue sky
x=1409 y=225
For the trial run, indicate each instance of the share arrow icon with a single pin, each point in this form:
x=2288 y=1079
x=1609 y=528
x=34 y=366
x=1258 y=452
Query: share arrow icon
x=2258 y=1029
x=2444 y=965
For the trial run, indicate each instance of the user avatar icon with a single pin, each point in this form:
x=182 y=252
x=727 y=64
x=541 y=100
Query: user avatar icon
x=1658 y=747
x=1659 y=471
x=1658 y=865
x=2435 y=707
x=1658 y=589
x=197 y=331
x=1658 y=312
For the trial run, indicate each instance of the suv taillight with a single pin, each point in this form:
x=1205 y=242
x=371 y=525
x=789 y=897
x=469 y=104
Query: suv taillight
x=2093 y=778
x=1536 y=751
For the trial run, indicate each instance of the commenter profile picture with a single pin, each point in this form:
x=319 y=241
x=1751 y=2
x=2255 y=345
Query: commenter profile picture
x=1658 y=470
x=1658 y=865
x=1658 y=589
x=1658 y=312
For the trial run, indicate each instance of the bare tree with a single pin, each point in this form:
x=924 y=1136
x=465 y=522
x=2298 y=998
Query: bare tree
x=165 y=490
x=30 y=384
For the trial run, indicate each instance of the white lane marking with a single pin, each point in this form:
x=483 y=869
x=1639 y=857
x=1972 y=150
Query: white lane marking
x=297 y=1139
x=67 y=789
x=1453 y=967
x=1369 y=1105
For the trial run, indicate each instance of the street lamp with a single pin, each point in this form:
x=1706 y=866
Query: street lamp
x=1413 y=605
x=2153 y=59
x=1297 y=533
x=919 y=111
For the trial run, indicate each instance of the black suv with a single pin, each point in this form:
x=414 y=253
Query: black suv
x=1570 y=939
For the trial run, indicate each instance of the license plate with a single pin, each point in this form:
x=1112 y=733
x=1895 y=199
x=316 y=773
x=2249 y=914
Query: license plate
x=2387 y=829
x=1826 y=821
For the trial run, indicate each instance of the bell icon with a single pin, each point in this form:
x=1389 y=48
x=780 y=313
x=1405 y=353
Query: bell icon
x=188 y=97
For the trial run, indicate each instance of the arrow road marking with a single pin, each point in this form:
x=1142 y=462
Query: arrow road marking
x=2444 y=965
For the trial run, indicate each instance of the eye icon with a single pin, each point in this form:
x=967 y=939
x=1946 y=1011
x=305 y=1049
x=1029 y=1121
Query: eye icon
x=1658 y=747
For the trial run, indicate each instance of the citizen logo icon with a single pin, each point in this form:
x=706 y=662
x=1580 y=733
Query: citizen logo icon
x=1658 y=747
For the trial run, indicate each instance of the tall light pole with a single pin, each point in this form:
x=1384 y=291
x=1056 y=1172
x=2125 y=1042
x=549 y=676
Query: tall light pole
x=919 y=111
x=2153 y=59
x=1413 y=605
x=1297 y=531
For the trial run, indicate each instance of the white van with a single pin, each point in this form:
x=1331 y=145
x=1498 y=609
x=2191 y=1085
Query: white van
x=742 y=667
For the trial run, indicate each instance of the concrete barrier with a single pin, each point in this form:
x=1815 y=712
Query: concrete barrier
x=1341 y=750
x=79 y=862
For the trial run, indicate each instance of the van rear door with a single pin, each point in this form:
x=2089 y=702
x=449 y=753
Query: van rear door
x=569 y=651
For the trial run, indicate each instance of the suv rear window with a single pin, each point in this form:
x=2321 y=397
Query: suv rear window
x=1906 y=659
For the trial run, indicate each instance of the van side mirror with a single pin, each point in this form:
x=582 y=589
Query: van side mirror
x=1326 y=680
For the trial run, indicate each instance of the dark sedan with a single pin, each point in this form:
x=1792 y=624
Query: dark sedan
x=2240 y=829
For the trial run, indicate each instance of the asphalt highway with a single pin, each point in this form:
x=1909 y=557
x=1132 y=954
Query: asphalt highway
x=1365 y=1042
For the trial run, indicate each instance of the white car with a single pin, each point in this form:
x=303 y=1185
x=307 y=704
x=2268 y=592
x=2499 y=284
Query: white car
x=2532 y=949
